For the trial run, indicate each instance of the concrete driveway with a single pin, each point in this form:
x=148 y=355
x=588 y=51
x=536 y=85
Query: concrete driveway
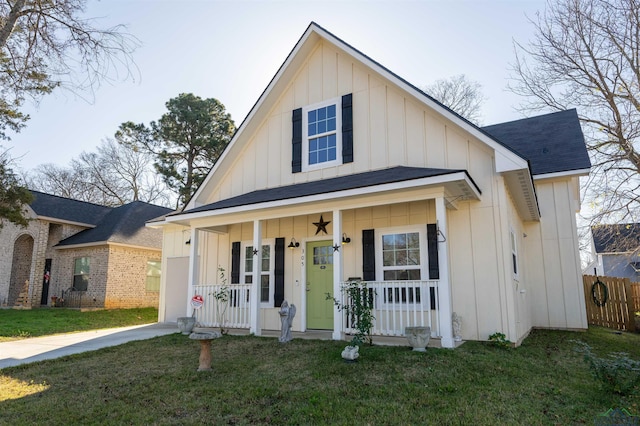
x=35 y=349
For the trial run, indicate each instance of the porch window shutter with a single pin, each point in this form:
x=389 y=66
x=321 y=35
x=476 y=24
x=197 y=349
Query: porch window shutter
x=296 y=141
x=347 y=129
x=368 y=255
x=432 y=251
x=235 y=262
x=278 y=296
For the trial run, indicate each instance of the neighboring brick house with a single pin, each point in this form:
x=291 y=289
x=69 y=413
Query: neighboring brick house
x=90 y=255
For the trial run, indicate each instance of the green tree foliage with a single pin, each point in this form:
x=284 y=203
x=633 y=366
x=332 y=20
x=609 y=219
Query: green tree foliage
x=186 y=141
x=586 y=55
x=13 y=196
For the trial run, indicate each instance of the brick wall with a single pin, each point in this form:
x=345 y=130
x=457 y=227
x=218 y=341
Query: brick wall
x=20 y=267
x=63 y=268
x=117 y=277
x=126 y=284
x=9 y=234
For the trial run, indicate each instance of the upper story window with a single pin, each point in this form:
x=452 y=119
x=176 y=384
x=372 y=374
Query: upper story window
x=321 y=138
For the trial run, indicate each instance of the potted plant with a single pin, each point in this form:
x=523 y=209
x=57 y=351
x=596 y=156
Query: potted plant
x=358 y=306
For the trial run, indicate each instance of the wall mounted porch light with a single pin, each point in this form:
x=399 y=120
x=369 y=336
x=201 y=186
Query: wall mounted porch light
x=345 y=239
x=293 y=244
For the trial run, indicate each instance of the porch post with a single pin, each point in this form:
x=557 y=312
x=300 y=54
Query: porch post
x=193 y=269
x=445 y=307
x=337 y=273
x=254 y=305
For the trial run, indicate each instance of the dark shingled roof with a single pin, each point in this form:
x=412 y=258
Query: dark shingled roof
x=66 y=209
x=124 y=224
x=616 y=238
x=342 y=183
x=552 y=142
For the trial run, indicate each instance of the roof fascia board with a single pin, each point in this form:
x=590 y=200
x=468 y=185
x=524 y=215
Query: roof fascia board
x=65 y=222
x=254 y=111
x=105 y=243
x=568 y=173
x=509 y=159
x=517 y=160
x=408 y=184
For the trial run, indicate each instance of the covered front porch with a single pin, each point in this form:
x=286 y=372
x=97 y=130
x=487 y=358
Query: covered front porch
x=302 y=243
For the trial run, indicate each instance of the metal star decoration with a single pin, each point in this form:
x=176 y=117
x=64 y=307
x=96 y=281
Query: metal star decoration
x=336 y=248
x=322 y=225
x=255 y=251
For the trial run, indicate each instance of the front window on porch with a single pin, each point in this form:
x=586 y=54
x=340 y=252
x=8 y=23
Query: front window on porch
x=403 y=296
x=266 y=272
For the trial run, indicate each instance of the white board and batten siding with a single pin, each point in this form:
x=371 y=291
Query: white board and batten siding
x=553 y=264
x=391 y=127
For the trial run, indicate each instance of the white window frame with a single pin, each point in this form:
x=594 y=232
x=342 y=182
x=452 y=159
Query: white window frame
x=270 y=272
x=306 y=167
x=151 y=276
x=421 y=230
x=88 y=274
x=515 y=258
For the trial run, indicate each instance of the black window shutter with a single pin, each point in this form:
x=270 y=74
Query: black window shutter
x=278 y=296
x=296 y=141
x=432 y=251
x=347 y=129
x=235 y=262
x=368 y=255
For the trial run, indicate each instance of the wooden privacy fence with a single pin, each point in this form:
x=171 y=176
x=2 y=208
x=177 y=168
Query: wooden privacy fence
x=611 y=302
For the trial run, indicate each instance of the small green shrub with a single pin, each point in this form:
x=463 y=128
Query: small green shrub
x=500 y=340
x=358 y=307
x=617 y=372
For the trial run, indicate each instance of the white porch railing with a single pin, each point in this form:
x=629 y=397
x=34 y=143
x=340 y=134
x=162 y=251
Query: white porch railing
x=237 y=313
x=396 y=305
x=400 y=304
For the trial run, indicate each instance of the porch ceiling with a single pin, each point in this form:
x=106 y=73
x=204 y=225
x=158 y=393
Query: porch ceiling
x=458 y=186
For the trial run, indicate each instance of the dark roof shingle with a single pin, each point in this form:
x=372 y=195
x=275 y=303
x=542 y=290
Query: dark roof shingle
x=341 y=183
x=66 y=209
x=552 y=143
x=124 y=224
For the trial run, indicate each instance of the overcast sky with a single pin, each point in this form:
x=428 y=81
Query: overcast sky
x=230 y=50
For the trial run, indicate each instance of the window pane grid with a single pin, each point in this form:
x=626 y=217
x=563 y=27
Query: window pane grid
x=401 y=259
x=265 y=270
x=321 y=120
x=322 y=149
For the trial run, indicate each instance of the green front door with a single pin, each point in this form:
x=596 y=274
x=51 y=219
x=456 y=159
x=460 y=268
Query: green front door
x=319 y=256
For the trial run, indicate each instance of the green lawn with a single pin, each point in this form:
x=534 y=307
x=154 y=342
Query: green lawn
x=261 y=381
x=20 y=324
